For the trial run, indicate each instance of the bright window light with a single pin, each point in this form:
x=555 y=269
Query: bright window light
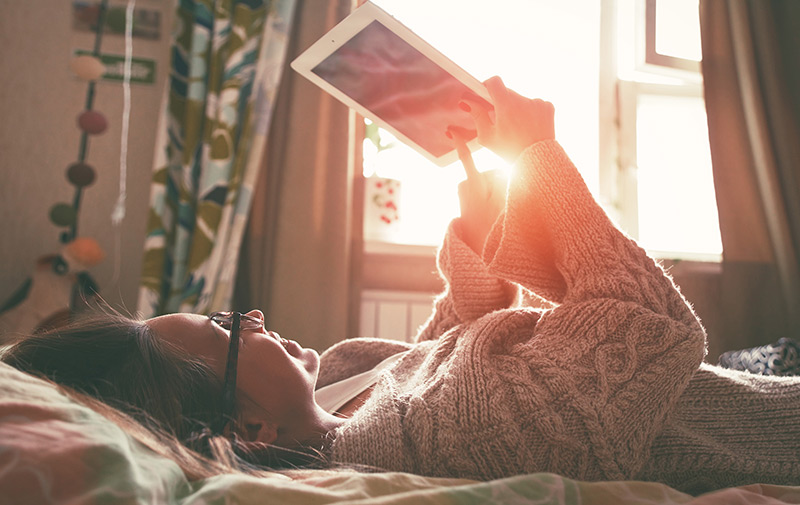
x=540 y=48
x=677 y=208
x=667 y=196
x=550 y=50
x=675 y=35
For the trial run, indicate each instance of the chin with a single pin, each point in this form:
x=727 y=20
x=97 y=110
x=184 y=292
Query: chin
x=311 y=358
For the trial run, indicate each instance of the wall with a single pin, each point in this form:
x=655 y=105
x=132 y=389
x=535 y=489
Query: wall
x=40 y=100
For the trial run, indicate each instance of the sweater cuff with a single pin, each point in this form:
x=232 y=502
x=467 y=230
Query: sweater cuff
x=473 y=291
x=552 y=229
x=520 y=246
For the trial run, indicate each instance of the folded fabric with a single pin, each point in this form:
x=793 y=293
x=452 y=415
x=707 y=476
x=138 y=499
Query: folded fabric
x=779 y=358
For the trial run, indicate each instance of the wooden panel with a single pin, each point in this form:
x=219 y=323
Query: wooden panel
x=401 y=273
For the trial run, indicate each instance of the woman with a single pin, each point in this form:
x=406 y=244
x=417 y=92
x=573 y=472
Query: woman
x=607 y=384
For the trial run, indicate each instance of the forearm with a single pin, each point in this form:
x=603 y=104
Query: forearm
x=470 y=292
x=554 y=239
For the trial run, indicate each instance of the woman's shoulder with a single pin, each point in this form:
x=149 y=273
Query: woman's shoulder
x=355 y=355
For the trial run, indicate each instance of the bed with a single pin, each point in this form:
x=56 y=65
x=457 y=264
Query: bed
x=55 y=450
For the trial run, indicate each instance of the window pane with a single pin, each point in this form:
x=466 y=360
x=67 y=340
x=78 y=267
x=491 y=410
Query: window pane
x=678 y=29
x=677 y=204
x=426 y=199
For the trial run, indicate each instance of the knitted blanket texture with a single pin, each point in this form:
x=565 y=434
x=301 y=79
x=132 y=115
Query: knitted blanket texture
x=605 y=384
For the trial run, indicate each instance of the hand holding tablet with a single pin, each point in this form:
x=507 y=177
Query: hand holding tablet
x=377 y=66
x=518 y=121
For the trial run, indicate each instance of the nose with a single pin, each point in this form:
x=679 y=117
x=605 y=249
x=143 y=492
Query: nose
x=257 y=314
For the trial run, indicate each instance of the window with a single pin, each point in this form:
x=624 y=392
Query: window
x=539 y=47
x=664 y=182
x=672 y=40
x=564 y=52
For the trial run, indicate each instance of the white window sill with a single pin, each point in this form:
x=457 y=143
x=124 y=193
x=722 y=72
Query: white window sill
x=378 y=247
x=694 y=257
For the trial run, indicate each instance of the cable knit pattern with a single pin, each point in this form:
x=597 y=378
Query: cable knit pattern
x=729 y=428
x=590 y=389
x=471 y=290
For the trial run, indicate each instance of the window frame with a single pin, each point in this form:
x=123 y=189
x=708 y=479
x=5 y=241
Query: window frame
x=651 y=56
x=629 y=93
x=661 y=75
x=618 y=189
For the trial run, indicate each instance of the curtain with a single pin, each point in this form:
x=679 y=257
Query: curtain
x=751 y=72
x=300 y=256
x=227 y=56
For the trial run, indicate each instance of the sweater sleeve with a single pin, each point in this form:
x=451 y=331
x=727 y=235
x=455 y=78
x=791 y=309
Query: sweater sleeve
x=555 y=240
x=470 y=290
x=611 y=360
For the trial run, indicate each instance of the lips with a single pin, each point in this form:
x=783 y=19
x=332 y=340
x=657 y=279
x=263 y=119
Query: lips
x=291 y=346
x=277 y=337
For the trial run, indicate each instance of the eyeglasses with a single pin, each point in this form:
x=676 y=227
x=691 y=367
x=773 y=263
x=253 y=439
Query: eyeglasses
x=235 y=322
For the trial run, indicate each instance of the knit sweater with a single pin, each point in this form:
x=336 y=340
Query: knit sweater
x=606 y=384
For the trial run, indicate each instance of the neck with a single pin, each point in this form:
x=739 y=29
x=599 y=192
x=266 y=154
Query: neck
x=314 y=433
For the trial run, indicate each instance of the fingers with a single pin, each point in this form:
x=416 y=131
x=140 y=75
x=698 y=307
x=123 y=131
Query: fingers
x=511 y=122
x=497 y=90
x=459 y=137
x=502 y=97
x=479 y=111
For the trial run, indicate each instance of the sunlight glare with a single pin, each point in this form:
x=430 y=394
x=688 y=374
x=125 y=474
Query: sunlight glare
x=541 y=49
x=678 y=29
x=674 y=160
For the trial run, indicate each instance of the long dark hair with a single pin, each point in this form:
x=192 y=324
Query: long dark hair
x=167 y=400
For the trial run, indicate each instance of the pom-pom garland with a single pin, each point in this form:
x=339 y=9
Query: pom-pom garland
x=92 y=122
x=80 y=174
x=87 y=67
x=63 y=214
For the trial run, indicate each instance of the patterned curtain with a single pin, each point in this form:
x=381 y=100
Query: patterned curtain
x=227 y=57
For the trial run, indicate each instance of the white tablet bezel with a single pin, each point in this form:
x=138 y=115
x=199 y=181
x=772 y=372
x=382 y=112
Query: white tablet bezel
x=346 y=30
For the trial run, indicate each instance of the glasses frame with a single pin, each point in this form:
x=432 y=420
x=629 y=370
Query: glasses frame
x=232 y=321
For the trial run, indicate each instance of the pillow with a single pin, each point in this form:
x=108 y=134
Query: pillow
x=54 y=449
x=779 y=358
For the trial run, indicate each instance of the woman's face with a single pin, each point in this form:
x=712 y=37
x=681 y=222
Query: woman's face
x=278 y=377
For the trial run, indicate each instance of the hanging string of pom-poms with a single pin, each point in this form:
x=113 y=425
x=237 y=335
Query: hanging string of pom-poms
x=81 y=174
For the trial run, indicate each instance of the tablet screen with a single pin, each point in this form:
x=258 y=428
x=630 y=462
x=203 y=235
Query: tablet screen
x=400 y=85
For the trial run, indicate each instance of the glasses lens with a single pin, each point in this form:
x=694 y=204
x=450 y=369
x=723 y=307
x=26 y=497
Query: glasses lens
x=251 y=323
x=225 y=319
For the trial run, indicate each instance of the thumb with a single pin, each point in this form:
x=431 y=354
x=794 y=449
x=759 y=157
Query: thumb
x=497 y=90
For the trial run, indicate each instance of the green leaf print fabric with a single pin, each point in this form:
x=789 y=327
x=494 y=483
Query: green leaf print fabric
x=226 y=61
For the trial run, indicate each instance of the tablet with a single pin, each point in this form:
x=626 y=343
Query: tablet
x=374 y=64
